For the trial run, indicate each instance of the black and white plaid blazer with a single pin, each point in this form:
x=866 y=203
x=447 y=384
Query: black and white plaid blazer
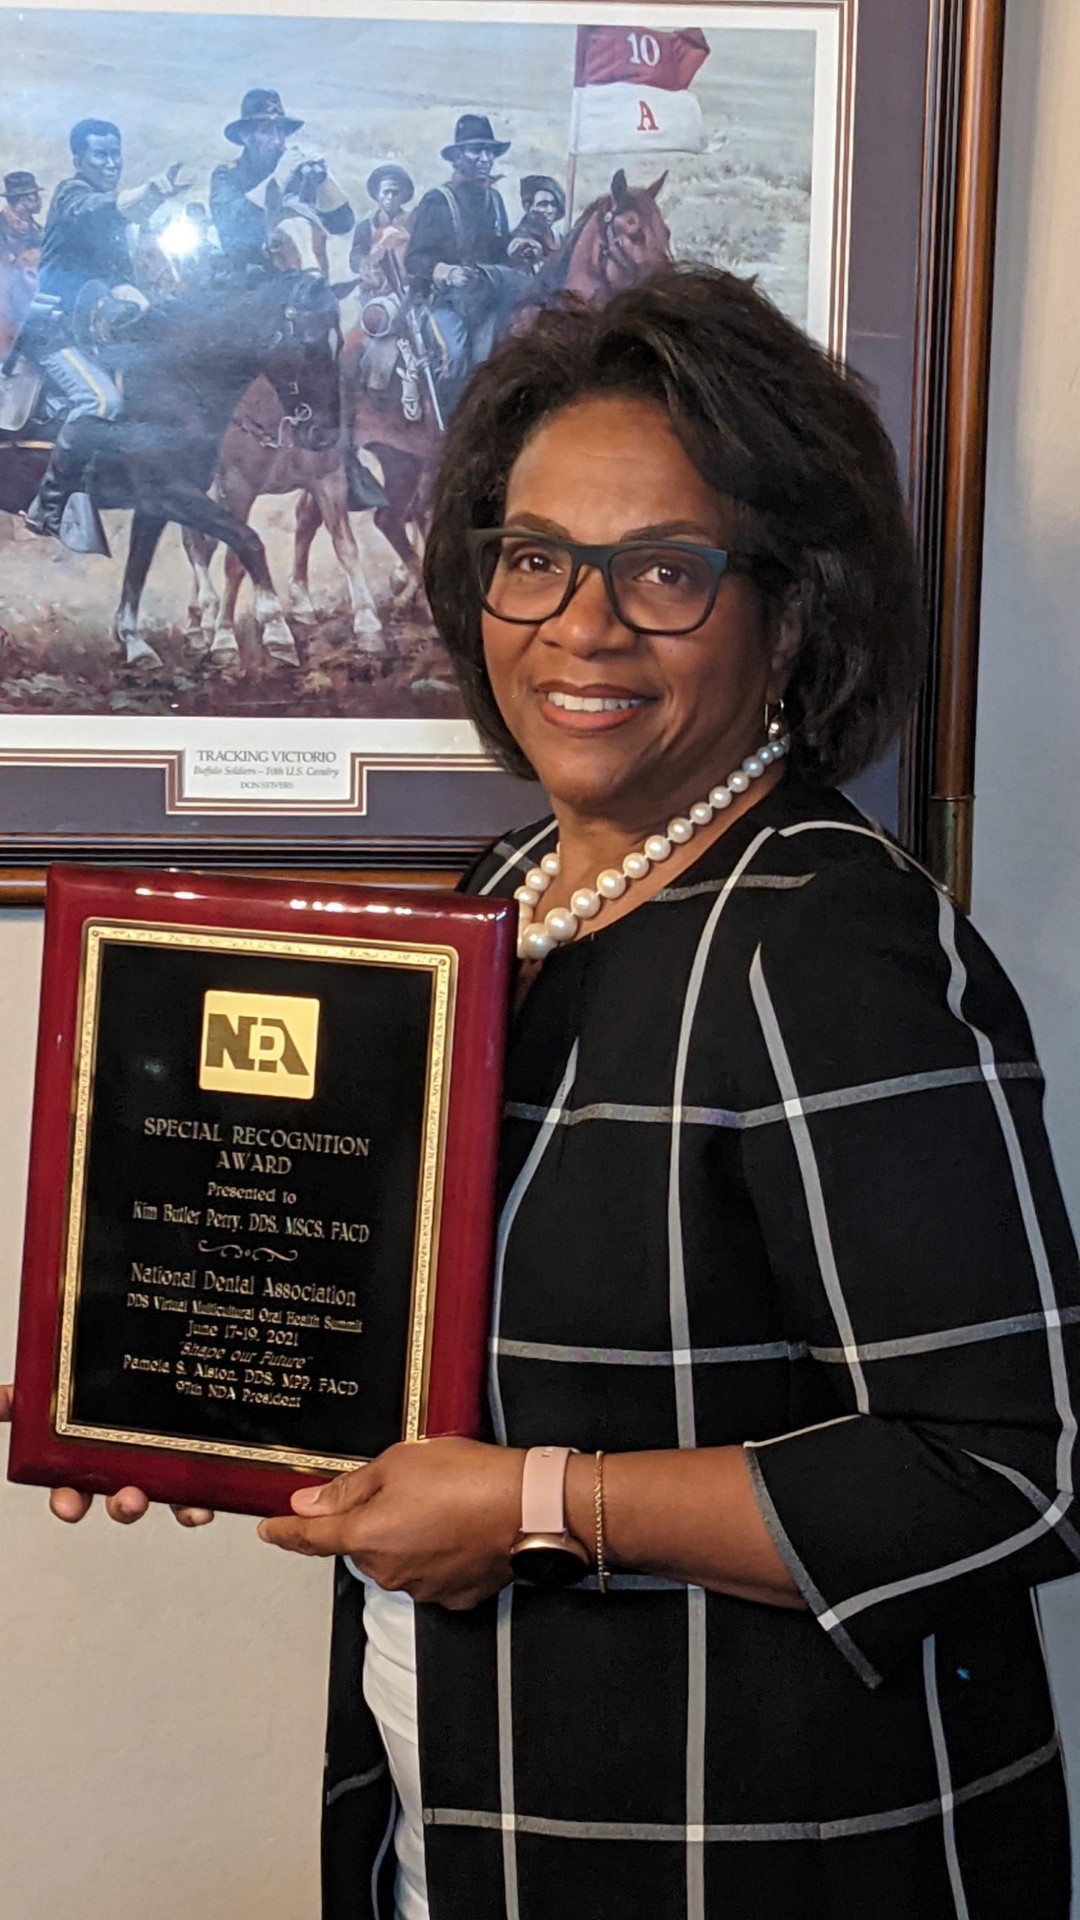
x=774 y=1174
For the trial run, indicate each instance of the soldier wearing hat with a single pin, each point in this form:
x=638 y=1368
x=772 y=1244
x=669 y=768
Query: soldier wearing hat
x=458 y=259
x=85 y=258
x=377 y=257
x=86 y=229
x=391 y=189
x=249 y=195
x=543 y=206
x=20 y=228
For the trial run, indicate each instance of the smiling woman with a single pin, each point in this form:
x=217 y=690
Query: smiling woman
x=731 y=1613
x=775 y=1191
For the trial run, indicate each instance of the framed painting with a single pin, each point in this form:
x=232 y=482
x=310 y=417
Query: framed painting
x=238 y=301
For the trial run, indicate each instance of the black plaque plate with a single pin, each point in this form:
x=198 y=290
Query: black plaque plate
x=260 y=1238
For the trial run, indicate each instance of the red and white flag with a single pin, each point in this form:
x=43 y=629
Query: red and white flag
x=632 y=90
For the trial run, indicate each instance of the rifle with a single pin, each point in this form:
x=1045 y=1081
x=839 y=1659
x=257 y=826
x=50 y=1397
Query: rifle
x=416 y=334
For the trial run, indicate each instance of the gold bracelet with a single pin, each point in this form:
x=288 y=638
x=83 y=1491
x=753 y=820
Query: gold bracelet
x=598 y=1511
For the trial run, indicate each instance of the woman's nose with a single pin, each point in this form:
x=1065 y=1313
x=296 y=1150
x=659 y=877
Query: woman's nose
x=588 y=622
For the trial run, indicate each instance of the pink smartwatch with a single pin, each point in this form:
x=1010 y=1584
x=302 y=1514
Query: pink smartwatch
x=546 y=1553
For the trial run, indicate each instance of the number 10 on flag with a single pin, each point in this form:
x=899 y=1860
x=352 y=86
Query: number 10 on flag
x=632 y=90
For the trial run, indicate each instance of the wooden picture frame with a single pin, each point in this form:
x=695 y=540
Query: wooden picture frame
x=901 y=199
x=964 y=81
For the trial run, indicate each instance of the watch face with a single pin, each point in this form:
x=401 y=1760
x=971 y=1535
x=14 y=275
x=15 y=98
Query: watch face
x=548 y=1566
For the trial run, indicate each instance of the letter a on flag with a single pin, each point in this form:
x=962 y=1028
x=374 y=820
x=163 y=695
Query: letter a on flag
x=632 y=90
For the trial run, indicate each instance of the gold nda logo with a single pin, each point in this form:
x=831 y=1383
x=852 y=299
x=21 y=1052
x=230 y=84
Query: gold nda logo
x=261 y=1043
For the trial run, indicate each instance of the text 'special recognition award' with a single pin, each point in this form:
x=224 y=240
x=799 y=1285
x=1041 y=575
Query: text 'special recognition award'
x=259 y=1223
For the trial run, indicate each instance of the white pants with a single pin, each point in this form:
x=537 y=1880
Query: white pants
x=390 y=1691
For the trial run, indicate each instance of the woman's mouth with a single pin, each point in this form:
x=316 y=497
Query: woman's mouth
x=591 y=710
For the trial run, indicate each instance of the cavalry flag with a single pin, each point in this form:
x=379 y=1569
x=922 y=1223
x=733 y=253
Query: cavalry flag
x=632 y=90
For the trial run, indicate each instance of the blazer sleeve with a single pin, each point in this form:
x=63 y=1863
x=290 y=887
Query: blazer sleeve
x=905 y=1190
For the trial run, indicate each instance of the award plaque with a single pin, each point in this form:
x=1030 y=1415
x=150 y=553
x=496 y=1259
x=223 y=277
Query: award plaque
x=262 y=1175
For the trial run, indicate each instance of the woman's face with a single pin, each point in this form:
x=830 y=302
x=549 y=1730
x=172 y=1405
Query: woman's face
x=607 y=469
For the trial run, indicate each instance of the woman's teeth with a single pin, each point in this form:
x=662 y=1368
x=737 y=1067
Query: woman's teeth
x=578 y=703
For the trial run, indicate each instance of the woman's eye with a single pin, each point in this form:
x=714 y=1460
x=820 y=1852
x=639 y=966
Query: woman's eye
x=530 y=560
x=665 y=573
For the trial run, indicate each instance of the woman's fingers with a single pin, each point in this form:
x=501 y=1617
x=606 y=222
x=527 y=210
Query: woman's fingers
x=193 y=1516
x=321 y=1514
x=126 y=1506
x=129 y=1504
x=69 y=1505
x=321 y=1538
x=341 y=1495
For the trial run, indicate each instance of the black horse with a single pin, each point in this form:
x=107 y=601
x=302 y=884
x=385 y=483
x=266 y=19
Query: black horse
x=185 y=367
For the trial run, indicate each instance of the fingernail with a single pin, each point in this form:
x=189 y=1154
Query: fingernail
x=261 y=1531
x=307 y=1498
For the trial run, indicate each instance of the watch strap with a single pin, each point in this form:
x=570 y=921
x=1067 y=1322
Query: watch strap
x=543 y=1502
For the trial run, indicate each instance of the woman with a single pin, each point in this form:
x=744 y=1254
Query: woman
x=781 y=1241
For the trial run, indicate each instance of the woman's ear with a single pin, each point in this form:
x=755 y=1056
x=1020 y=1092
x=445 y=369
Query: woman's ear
x=786 y=639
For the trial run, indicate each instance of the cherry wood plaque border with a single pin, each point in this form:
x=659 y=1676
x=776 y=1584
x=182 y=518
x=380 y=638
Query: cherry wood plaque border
x=482 y=935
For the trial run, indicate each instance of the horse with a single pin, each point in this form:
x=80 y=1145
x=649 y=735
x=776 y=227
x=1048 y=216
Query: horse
x=187 y=364
x=256 y=459
x=619 y=238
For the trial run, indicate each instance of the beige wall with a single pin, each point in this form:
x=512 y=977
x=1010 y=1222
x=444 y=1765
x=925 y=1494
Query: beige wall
x=1027 y=816
x=161 y=1693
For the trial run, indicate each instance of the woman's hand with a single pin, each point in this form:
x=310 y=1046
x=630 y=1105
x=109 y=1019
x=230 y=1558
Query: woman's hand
x=434 y=1519
x=68 y=1504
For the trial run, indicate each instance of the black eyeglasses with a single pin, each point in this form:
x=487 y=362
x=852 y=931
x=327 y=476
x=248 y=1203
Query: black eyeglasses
x=653 y=586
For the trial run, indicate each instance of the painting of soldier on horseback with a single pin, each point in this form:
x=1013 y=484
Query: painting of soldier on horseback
x=243 y=292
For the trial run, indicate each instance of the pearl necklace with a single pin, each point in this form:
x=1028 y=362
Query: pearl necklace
x=562 y=923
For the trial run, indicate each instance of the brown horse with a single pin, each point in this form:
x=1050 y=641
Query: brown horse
x=620 y=237
x=260 y=454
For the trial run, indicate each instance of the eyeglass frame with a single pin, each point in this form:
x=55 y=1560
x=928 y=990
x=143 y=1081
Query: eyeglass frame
x=721 y=561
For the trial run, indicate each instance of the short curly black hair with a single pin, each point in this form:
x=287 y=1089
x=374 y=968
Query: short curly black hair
x=774 y=425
